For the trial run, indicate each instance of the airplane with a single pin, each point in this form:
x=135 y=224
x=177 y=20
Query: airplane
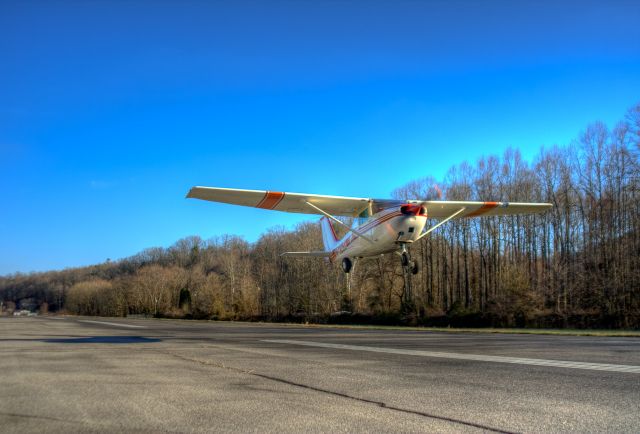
x=379 y=226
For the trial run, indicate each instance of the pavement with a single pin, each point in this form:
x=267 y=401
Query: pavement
x=68 y=374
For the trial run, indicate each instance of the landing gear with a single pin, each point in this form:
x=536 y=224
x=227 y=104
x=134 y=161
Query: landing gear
x=407 y=262
x=409 y=268
x=346 y=265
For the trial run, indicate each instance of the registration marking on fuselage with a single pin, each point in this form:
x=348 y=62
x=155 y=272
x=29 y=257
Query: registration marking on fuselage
x=474 y=357
x=131 y=326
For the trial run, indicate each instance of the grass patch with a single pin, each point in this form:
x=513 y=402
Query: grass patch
x=527 y=331
x=558 y=332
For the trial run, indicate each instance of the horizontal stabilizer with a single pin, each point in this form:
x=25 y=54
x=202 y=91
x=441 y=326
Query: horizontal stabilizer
x=307 y=254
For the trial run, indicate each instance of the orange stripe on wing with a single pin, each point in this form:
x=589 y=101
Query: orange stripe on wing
x=488 y=206
x=270 y=200
x=258 y=205
x=278 y=201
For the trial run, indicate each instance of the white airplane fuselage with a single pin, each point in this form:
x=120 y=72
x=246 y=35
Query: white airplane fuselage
x=388 y=230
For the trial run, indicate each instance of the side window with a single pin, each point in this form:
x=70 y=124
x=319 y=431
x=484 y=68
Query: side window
x=363 y=217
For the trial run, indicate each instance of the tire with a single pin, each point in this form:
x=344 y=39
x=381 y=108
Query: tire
x=414 y=267
x=346 y=265
x=404 y=259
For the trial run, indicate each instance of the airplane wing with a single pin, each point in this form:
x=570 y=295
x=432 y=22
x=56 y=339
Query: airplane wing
x=442 y=209
x=352 y=206
x=281 y=201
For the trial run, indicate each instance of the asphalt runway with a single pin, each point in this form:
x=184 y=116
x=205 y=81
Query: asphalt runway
x=115 y=375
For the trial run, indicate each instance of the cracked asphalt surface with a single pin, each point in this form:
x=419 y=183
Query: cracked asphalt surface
x=67 y=374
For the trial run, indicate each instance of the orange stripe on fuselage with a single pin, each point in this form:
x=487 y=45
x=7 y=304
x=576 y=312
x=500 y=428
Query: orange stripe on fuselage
x=270 y=200
x=488 y=206
x=369 y=225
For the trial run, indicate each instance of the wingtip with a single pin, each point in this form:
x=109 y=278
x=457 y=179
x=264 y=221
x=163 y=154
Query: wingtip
x=189 y=193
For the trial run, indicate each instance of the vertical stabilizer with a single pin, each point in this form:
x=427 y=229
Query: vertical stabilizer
x=329 y=237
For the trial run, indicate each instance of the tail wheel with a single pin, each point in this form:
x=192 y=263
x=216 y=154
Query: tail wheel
x=414 y=267
x=346 y=265
x=404 y=259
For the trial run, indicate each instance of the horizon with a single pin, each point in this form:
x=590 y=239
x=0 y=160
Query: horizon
x=111 y=112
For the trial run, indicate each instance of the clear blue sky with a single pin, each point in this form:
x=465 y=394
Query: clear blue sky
x=110 y=111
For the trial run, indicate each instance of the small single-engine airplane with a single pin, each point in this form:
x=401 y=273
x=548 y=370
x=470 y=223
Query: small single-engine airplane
x=379 y=226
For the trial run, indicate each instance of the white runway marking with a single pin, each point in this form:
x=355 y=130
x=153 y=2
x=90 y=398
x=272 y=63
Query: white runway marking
x=477 y=357
x=113 y=324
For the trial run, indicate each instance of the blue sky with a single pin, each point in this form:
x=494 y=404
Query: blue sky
x=110 y=111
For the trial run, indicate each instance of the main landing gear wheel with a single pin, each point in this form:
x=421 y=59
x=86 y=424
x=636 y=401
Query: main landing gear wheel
x=346 y=265
x=414 y=267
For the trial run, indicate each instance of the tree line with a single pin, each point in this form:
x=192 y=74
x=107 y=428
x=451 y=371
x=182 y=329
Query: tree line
x=577 y=265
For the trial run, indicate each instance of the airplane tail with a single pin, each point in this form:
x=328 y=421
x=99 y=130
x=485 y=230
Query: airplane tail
x=329 y=237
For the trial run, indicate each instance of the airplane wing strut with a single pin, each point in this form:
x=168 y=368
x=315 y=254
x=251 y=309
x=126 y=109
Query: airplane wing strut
x=431 y=229
x=339 y=222
x=307 y=254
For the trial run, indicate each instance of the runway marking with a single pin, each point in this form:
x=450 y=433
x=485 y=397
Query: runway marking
x=461 y=356
x=113 y=324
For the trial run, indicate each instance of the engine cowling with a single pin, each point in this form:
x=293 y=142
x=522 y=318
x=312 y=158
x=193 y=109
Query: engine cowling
x=413 y=209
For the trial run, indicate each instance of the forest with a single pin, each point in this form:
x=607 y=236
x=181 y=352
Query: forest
x=576 y=266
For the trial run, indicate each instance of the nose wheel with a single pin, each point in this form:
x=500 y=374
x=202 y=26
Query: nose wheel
x=405 y=259
x=407 y=263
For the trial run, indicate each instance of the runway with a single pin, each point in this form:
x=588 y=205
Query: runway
x=108 y=374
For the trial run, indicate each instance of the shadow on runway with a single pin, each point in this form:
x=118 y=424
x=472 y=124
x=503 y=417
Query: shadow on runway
x=94 y=340
x=103 y=340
